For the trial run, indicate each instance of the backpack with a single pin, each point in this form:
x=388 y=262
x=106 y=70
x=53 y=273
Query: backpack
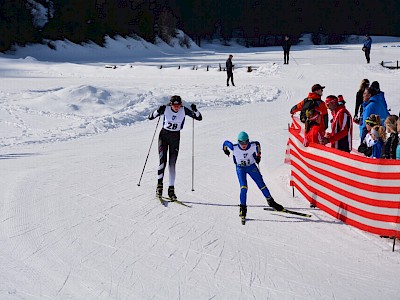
x=309 y=103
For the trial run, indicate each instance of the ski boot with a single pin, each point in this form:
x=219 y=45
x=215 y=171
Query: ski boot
x=159 y=190
x=243 y=213
x=171 y=193
x=273 y=204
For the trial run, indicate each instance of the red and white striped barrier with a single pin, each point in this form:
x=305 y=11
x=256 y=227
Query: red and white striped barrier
x=360 y=191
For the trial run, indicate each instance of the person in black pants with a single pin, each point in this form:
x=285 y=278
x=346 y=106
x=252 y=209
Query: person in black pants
x=286 y=48
x=229 y=70
x=168 y=141
x=367 y=47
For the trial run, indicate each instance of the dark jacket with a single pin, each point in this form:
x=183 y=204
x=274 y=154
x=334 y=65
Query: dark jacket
x=359 y=102
x=286 y=45
x=389 y=148
x=229 y=65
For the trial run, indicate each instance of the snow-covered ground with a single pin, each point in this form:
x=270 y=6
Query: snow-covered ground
x=74 y=137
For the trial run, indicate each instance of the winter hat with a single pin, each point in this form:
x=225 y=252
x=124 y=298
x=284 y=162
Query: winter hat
x=317 y=87
x=243 y=137
x=176 y=100
x=341 y=100
x=331 y=99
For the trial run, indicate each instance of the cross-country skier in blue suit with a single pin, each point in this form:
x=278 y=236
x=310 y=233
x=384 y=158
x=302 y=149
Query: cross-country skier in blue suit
x=246 y=155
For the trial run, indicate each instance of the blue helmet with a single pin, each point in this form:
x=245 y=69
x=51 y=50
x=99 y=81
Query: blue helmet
x=243 y=137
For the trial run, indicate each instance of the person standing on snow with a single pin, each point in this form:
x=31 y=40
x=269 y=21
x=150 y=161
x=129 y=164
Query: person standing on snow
x=313 y=101
x=286 y=48
x=168 y=141
x=229 y=70
x=373 y=104
x=359 y=100
x=246 y=155
x=367 y=47
x=314 y=131
x=342 y=125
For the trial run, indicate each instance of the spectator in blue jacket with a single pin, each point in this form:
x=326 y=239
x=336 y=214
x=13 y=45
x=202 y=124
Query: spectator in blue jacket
x=380 y=94
x=371 y=105
x=367 y=47
x=377 y=135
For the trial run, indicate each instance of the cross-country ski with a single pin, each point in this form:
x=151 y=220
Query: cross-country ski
x=288 y=211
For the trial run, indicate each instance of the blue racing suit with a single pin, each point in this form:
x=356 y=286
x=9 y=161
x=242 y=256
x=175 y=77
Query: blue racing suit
x=245 y=160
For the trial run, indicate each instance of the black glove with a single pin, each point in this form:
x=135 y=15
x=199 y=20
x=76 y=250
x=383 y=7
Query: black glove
x=193 y=107
x=258 y=159
x=161 y=109
x=226 y=151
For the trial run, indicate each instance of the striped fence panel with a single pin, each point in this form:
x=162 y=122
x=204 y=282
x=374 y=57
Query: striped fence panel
x=360 y=191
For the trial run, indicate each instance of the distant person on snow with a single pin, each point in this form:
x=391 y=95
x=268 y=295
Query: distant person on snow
x=367 y=47
x=168 y=141
x=229 y=70
x=286 y=48
x=313 y=101
x=246 y=155
x=342 y=125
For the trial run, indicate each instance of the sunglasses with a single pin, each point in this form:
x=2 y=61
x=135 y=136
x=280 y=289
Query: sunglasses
x=370 y=123
x=243 y=142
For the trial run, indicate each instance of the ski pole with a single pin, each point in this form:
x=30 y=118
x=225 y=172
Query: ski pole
x=193 y=157
x=149 y=151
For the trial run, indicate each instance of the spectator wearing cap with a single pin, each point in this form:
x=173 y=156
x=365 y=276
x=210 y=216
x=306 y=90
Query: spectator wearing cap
x=229 y=70
x=313 y=101
x=367 y=47
x=371 y=105
x=314 y=129
x=359 y=99
x=341 y=133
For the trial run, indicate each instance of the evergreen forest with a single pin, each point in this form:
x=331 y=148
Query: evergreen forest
x=252 y=22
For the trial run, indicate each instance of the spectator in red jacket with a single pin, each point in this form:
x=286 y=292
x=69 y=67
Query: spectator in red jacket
x=314 y=129
x=342 y=125
x=313 y=100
